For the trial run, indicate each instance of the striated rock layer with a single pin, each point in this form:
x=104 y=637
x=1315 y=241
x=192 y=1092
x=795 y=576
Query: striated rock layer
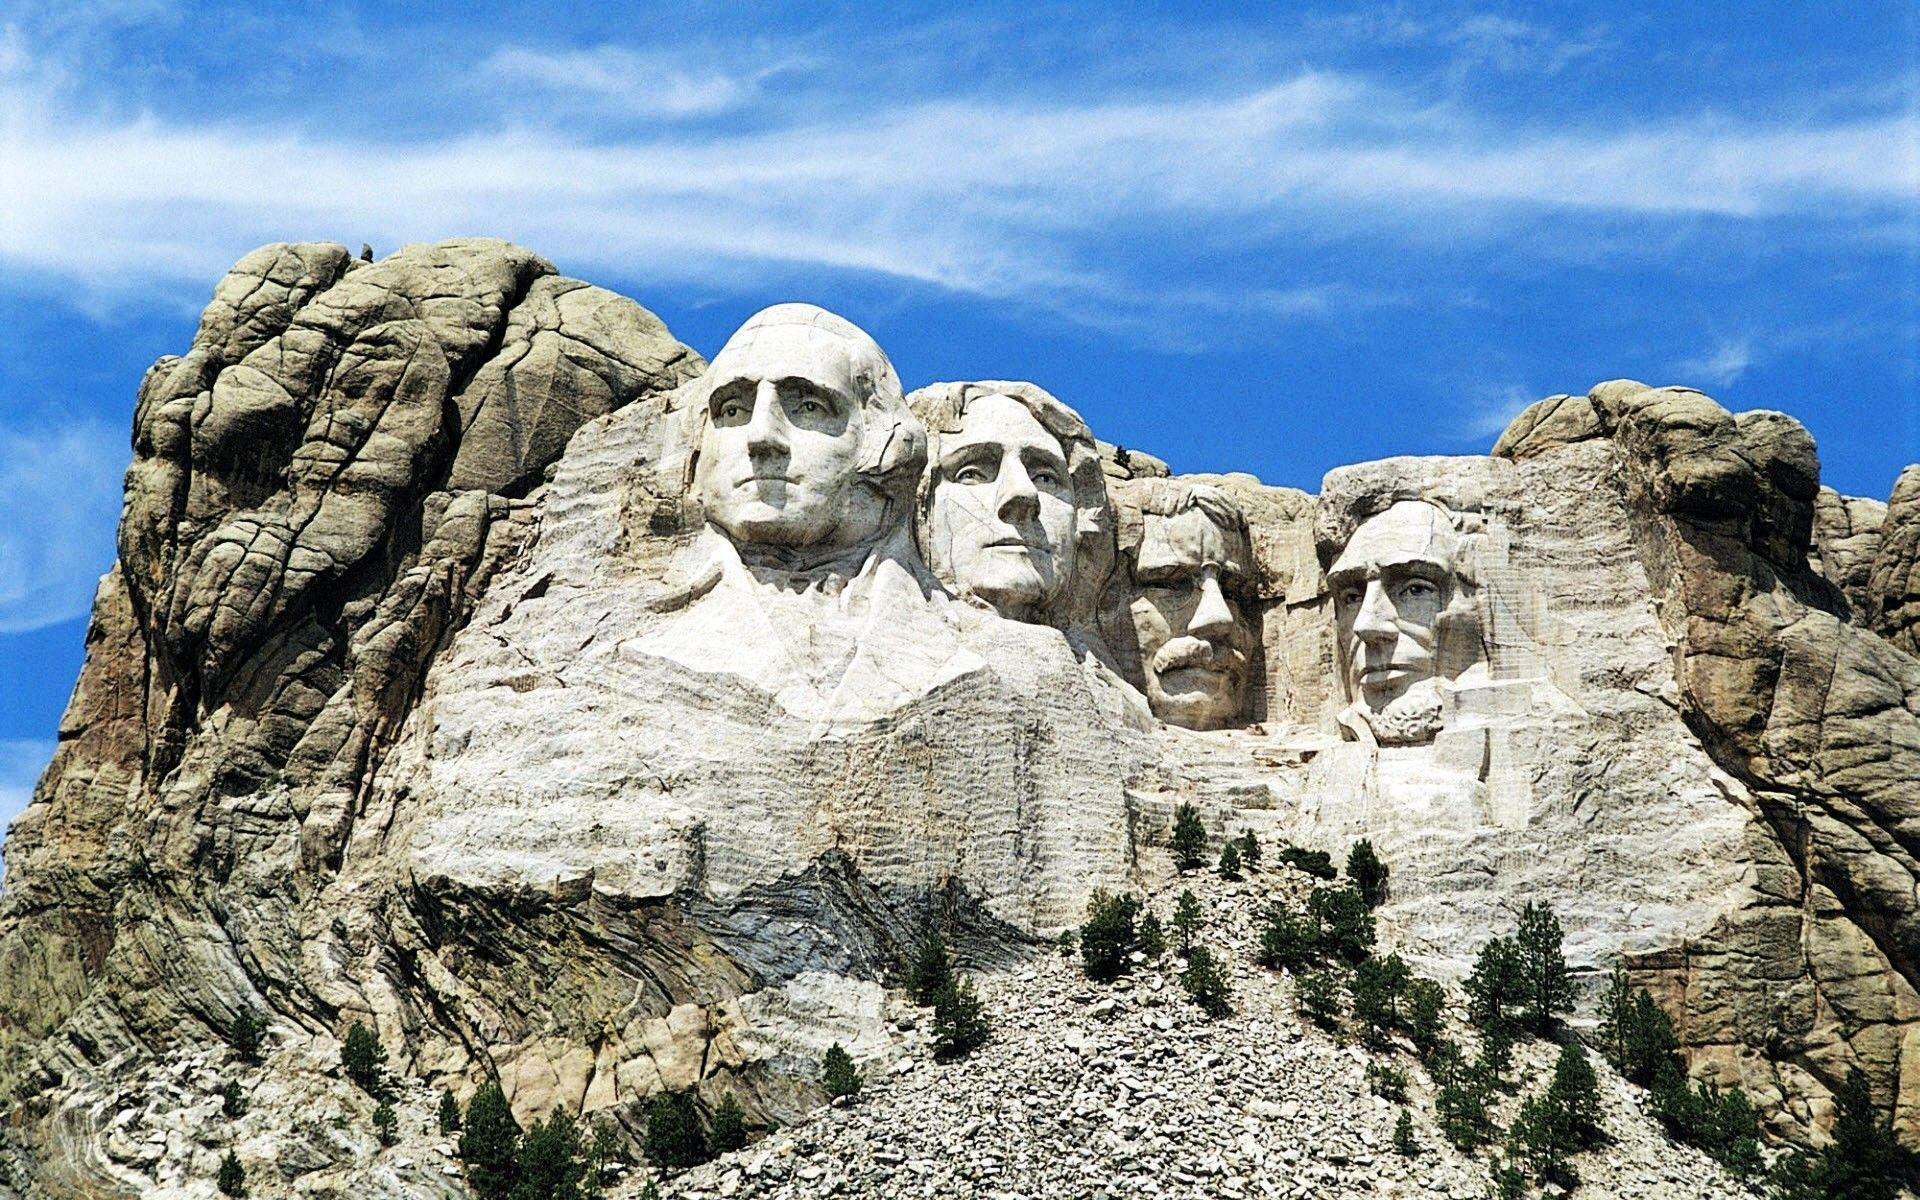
x=426 y=693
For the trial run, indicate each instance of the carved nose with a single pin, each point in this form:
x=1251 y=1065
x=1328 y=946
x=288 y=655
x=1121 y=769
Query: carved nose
x=767 y=427
x=1212 y=617
x=1373 y=623
x=1019 y=501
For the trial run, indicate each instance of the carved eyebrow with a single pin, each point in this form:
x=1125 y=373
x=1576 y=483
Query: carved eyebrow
x=972 y=452
x=1044 y=455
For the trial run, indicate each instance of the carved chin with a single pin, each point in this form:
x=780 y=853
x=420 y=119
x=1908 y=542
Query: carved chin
x=1410 y=719
x=1193 y=698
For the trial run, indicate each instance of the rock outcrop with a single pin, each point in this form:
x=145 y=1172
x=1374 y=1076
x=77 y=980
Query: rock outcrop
x=483 y=665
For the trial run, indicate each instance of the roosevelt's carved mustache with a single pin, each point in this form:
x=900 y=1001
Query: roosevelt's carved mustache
x=1184 y=652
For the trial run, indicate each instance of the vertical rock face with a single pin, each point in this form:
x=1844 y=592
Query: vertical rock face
x=483 y=665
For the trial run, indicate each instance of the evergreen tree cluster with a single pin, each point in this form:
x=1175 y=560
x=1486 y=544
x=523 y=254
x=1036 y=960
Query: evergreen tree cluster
x=1316 y=863
x=959 y=1016
x=1207 y=982
x=1637 y=1037
x=1559 y=1121
x=1522 y=982
x=247 y=1035
x=1862 y=1162
x=1337 y=924
x=1110 y=934
x=554 y=1160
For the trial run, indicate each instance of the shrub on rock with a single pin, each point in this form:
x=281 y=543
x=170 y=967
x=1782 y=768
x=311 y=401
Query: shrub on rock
x=489 y=1143
x=1367 y=873
x=364 y=1059
x=1187 y=919
x=674 y=1136
x=1319 y=995
x=728 y=1131
x=249 y=1031
x=1109 y=935
x=837 y=1074
x=449 y=1112
x=232 y=1180
x=1206 y=980
x=386 y=1124
x=1316 y=863
x=959 y=1020
x=233 y=1102
x=1189 y=840
x=1287 y=940
x=1230 y=861
x=932 y=970
x=552 y=1163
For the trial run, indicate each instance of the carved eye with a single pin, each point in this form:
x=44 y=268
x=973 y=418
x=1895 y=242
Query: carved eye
x=1419 y=589
x=971 y=473
x=813 y=407
x=731 y=409
x=1047 y=477
x=1351 y=596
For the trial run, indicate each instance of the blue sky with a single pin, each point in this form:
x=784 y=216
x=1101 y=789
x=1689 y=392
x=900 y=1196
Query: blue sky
x=1273 y=240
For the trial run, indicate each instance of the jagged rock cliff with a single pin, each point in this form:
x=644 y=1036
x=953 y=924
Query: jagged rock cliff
x=451 y=679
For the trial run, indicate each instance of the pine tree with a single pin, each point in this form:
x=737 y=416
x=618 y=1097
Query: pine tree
x=247 y=1034
x=1546 y=990
x=1152 y=936
x=1403 y=1143
x=728 y=1130
x=838 y=1075
x=232 y=1180
x=932 y=970
x=1346 y=924
x=1109 y=934
x=1426 y=1007
x=233 y=1103
x=552 y=1163
x=449 y=1112
x=1574 y=1092
x=1187 y=919
x=1287 y=940
x=1319 y=994
x=1250 y=850
x=1495 y=988
x=489 y=1143
x=1377 y=986
x=1189 y=841
x=1206 y=980
x=386 y=1124
x=1616 y=1019
x=1540 y=1139
x=365 y=1059
x=1865 y=1161
x=674 y=1136
x=1367 y=872
x=1460 y=1105
x=1230 y=861
x=959 y=1020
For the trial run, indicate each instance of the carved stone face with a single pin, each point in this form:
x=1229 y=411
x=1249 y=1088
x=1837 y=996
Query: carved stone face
x=1001 y=519
x=1395 y=588
x=1194 y=641
x=780 y=452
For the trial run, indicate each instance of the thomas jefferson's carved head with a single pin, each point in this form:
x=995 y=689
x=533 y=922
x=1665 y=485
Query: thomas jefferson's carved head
x=1191 y=566
x=1013 y=485
x=1404 y=601
x=805 y=439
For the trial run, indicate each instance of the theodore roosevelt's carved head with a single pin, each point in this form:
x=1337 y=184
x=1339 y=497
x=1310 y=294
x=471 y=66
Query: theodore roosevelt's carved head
x=1013 y=485
x=1191 y=568
x=1404 y=602
x=805 y=439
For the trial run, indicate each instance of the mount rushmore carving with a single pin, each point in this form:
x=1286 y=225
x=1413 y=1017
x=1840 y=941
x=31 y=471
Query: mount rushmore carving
x=483 y=665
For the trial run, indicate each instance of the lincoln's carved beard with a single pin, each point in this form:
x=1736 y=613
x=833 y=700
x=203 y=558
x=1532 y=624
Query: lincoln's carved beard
x=1409 y=719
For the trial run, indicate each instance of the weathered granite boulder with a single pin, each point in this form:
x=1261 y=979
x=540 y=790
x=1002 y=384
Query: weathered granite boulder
x=483 y=665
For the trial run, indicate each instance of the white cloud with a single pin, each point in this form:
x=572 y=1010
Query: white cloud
x=1005 y=197
x=633 y=82
x=1721 y=366
x=59 y=498
x=1495 y=409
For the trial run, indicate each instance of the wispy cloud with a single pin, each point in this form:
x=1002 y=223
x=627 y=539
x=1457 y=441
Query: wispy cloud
x=640 y=84
x=1721 y=366
x=1489 y=413
x=59 y=498
x=986 y=197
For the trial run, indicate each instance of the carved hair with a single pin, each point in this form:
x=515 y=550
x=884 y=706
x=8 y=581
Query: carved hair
x=1155 y=497
x=893 y=445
